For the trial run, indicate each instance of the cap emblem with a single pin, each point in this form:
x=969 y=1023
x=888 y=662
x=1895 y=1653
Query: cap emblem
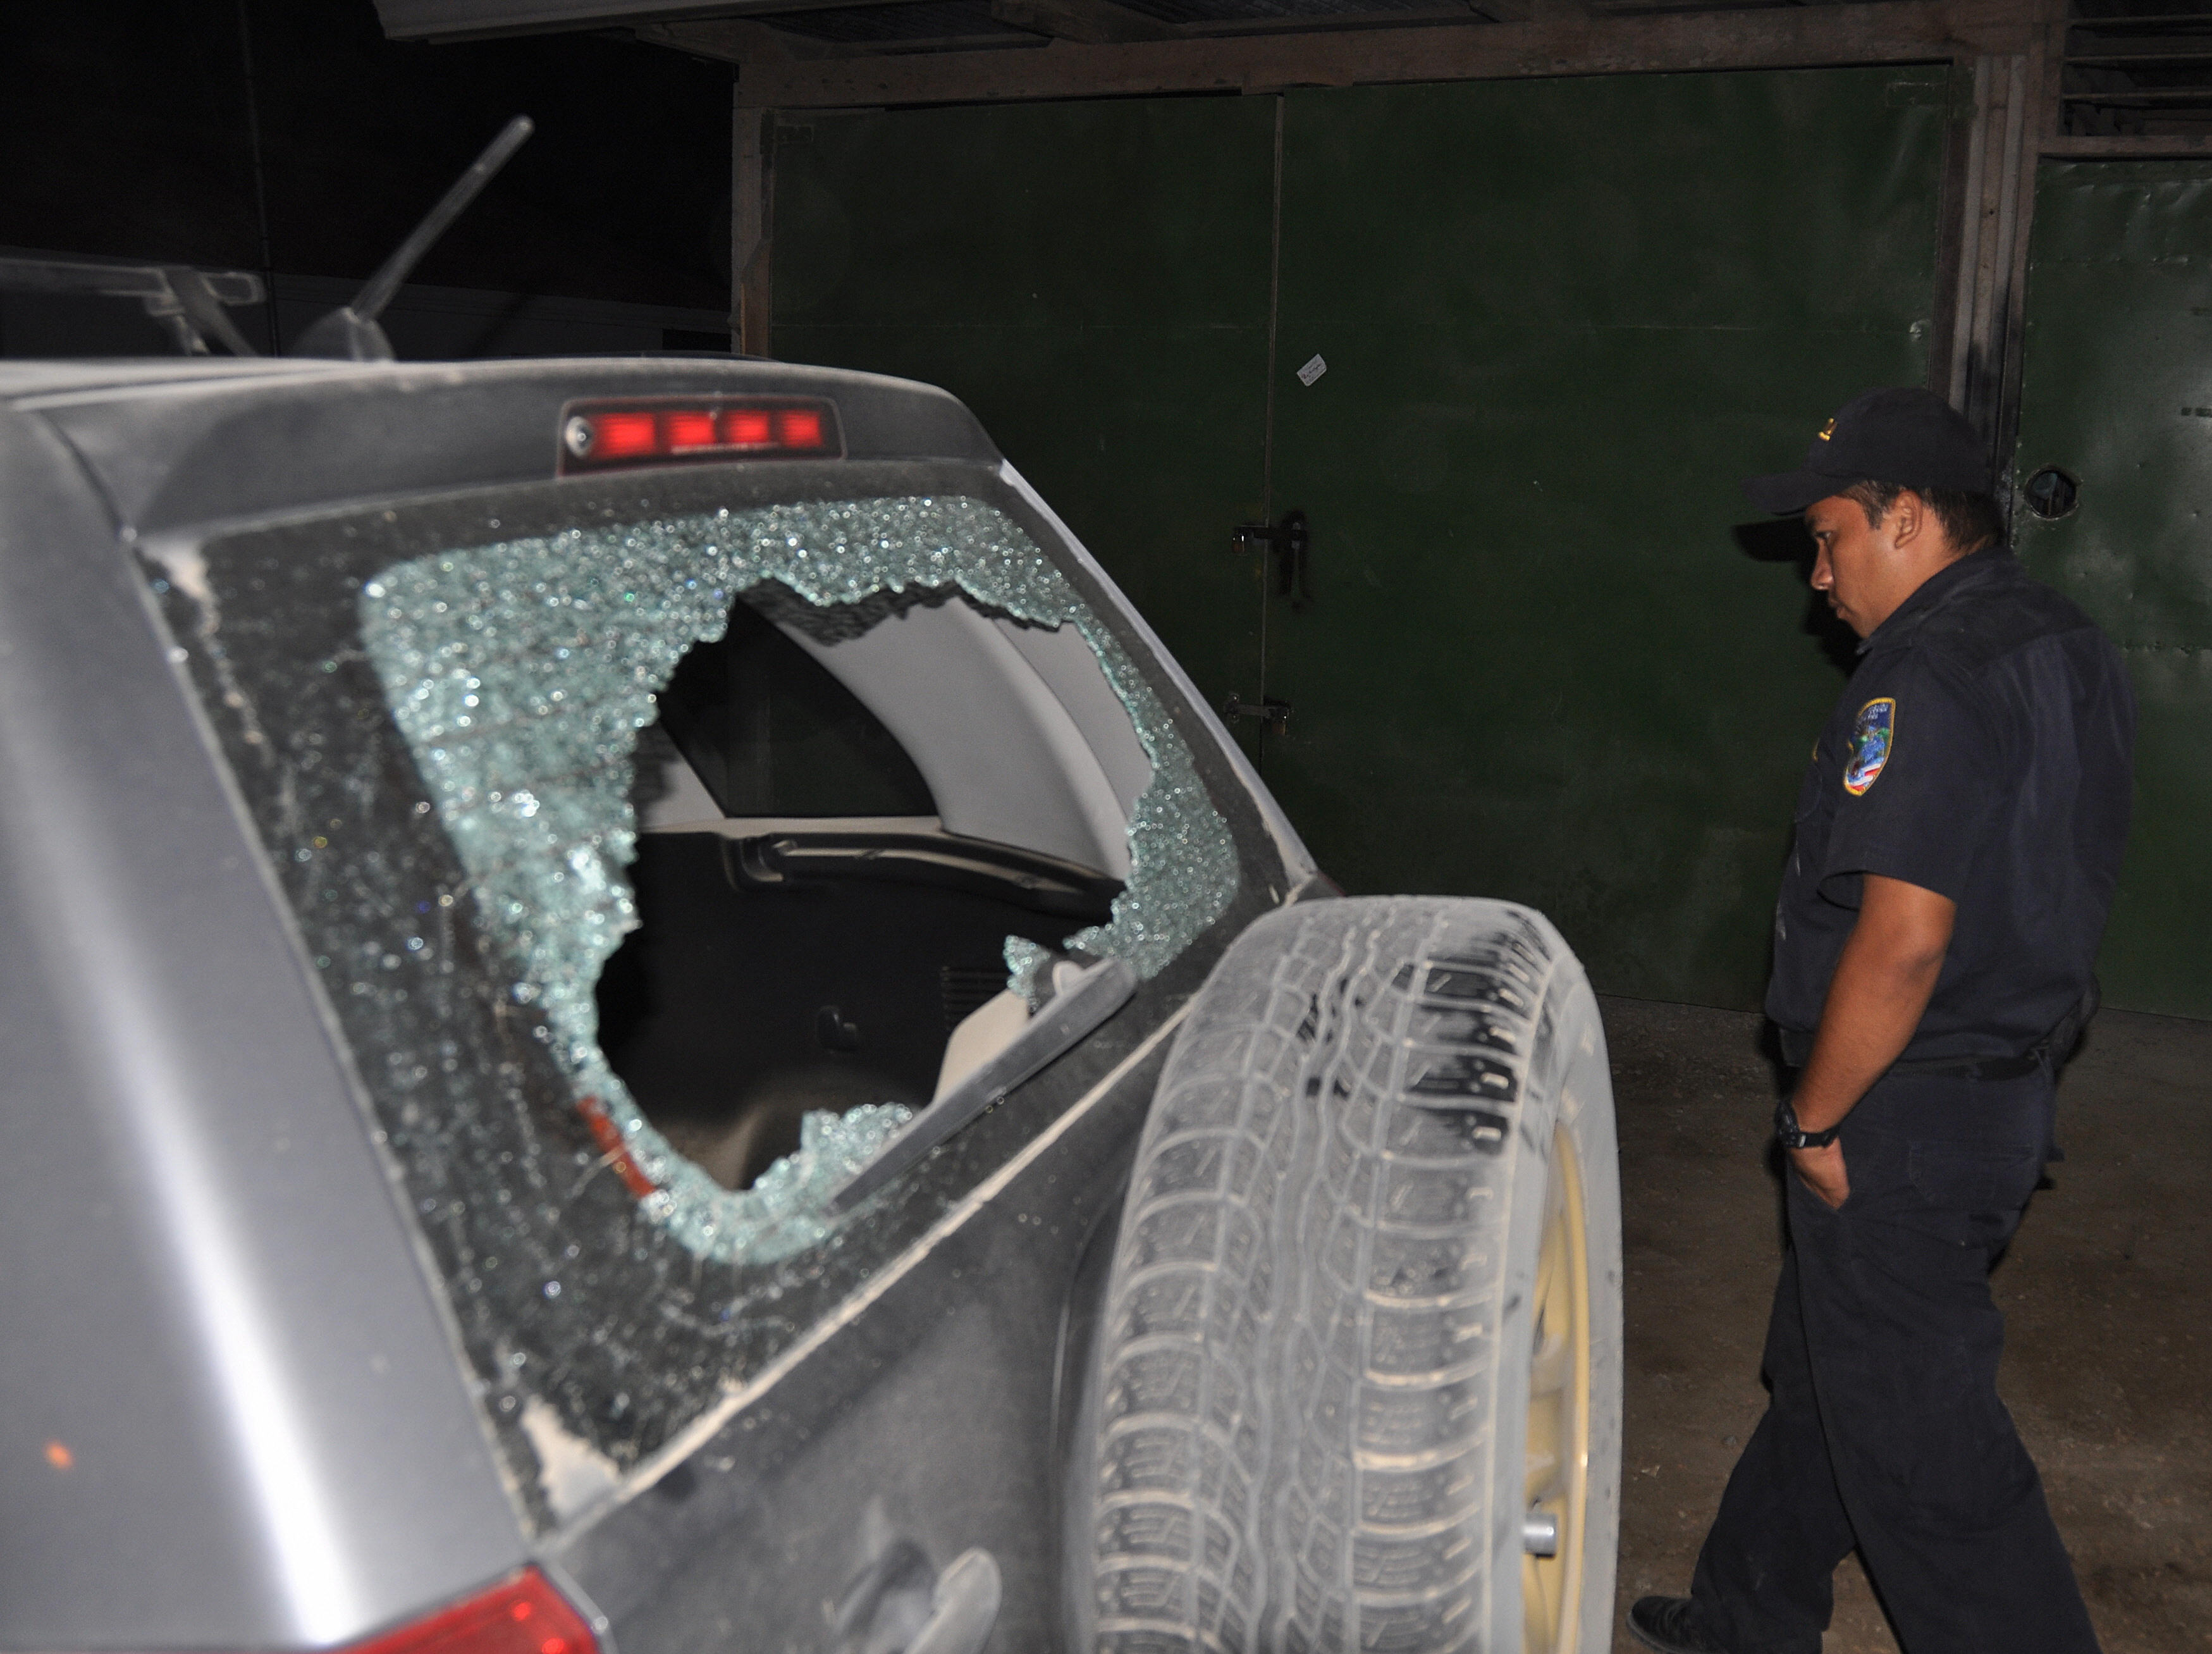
x=1827 y=430
x=1872 y=734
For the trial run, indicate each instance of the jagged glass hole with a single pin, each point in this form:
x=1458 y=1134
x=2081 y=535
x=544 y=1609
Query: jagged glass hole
x=521 y=673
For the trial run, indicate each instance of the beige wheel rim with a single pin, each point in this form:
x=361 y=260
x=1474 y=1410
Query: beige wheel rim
x=1556 y=1489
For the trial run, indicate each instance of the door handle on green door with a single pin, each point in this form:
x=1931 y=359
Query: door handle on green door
x=1288 y=541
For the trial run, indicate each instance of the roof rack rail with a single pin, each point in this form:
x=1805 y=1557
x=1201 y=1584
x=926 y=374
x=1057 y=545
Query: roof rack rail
x=189 y=302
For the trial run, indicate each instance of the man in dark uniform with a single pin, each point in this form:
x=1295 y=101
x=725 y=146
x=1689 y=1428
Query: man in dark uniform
x=1958 y=838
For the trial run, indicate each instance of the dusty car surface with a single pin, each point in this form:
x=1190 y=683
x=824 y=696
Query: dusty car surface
x=643 y=1014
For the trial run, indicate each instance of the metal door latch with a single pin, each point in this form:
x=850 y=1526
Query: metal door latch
x=1288 y=542
x=1274 y=714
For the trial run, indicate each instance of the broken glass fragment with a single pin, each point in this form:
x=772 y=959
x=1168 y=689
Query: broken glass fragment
x=521 y=672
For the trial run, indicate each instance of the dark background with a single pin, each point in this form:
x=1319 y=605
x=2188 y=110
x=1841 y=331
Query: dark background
x=1561 y=318
x=293 y=139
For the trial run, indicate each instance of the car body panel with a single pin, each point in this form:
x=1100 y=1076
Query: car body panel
x=255 y=1421
x=930 y=1408
x=235 y=1419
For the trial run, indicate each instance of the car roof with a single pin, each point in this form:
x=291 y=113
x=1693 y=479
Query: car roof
x=170 y=444
x=24 y=379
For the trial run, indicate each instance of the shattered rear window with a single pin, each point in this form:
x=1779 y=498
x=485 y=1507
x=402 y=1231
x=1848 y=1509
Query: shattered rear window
x=520 y=673
x=441 y=751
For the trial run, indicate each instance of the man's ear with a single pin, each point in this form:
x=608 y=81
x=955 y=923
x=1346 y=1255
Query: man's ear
x=1909 y=520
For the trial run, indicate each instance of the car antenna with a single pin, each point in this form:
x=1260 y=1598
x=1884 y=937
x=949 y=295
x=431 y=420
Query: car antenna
x=351 y=332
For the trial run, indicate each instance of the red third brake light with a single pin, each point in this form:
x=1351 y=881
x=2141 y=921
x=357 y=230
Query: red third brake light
x=799 y=428
x=624 y=435
x=689 y=428
x=658 y=431
x=748 y=428
x=520 y=1614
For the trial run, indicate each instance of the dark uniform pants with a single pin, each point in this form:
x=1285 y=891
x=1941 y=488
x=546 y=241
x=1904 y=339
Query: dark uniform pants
x=1884 y=1431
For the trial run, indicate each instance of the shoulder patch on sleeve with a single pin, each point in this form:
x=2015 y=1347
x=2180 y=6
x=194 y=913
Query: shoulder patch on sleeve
x=1873 y=733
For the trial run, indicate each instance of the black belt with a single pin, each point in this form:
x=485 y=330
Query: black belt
x=2053 y=1049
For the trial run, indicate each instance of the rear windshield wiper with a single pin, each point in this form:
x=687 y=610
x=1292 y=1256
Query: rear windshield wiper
x=1096 y=994
x=1007 y=872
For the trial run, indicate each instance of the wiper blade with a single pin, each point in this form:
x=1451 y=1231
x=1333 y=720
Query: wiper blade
x=1095 y=994
x=189 y=302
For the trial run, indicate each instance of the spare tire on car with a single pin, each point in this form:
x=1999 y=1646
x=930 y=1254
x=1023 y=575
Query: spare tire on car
x=1357 y=1381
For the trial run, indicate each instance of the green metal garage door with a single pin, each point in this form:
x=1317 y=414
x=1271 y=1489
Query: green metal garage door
x=1562 y=321
x=1091 y=279
x=2118 y=394
x=1558 y=319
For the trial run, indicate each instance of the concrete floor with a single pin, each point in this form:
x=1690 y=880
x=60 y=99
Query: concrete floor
x=2106 y=1292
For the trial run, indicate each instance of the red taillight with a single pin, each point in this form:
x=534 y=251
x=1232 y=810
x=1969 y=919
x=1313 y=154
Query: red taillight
x=748 y=428
x=623 y=435
x=799 y=428
x=521 y=1614
x=596 y=436
x=690 y=429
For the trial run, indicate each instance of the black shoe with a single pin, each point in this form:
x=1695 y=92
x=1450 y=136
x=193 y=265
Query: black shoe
x=1671 y=1625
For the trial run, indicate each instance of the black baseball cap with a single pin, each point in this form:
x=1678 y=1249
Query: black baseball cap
x=1903 y=435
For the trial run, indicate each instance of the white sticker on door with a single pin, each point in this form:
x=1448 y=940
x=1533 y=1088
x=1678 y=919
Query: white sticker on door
x=1312 y=371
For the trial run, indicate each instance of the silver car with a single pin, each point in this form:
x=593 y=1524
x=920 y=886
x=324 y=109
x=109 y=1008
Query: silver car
x=642 y=1014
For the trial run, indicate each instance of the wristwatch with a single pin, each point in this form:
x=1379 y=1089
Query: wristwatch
x=1791 y=1135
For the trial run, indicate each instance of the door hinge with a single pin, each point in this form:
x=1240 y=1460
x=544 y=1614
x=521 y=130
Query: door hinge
x=1273 y=713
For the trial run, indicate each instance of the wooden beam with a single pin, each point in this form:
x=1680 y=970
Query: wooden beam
x=2040 y=112
x=2008 y=180
x=2130 y=148
x=1886 y=31
x=752 y=211
x=1332 y=21
x=1964 y=154
x=475 y=20
x=2048 y=111
x=1090 y=22
x=735 y=40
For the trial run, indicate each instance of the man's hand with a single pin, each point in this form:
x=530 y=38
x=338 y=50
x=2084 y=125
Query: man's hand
x=1882 y=985
x=1822 y=1168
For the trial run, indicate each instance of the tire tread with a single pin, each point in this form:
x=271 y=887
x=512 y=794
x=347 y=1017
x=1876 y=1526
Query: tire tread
x=1298 y=1458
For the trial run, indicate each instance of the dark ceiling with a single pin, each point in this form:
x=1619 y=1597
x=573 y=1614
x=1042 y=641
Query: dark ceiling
x=962 y=25
x=2139 y=67
x=293 y=136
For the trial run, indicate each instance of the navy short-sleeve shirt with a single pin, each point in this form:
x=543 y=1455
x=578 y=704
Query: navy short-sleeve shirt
x=1982 y=751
